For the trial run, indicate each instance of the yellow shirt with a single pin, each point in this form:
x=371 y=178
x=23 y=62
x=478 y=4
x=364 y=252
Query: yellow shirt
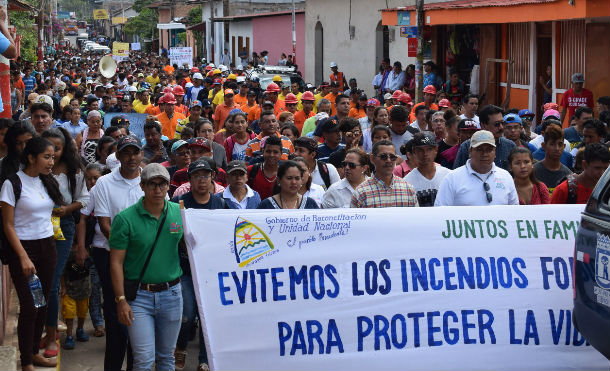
x=139 y=107
x=315 y=102
x=153 y=81
x=219 y=98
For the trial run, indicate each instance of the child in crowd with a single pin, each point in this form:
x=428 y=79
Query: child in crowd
x=75 y=302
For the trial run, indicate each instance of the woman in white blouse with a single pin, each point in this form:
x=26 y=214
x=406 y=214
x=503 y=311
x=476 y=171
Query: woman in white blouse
x=355 y=168
x=68 y=173
x=309 y=189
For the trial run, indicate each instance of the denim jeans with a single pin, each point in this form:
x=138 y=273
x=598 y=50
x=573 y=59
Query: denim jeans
x=155 y=327
x=189 y=313
x=95 y=300
x=63 y=251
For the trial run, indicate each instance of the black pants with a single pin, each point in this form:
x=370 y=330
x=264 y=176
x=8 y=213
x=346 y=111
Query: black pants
x=117 y=338
x=31 y=320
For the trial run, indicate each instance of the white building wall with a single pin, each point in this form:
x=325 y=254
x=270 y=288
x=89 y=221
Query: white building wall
x=217 y=44
x=237 y=29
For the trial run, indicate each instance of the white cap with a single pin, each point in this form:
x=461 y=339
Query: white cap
x=132 y=88
x=197 y=75
x=43 y=98
x=241 y=78
x=223 y=68
x=333 y=64
x=188 y=85
x=239 y=67
x=212 y=65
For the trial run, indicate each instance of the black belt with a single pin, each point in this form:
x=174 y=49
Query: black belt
x=157 y=287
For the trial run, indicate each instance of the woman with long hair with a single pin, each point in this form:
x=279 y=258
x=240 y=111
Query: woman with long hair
x=309 y=189
x=15 y=139
x=205 y=129
x=235 y=145
x=381 y=117
x=531 y=191
x=286 y=190
x=27 y=200
x=69 y=175
x=355 y=169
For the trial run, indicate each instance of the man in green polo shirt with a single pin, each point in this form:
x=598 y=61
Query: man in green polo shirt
x=158 y=303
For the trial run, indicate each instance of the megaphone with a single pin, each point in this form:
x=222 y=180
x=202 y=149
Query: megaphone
x=107 y=66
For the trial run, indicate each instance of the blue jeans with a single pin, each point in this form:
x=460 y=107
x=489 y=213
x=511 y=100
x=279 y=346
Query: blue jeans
x=189 y=313
x=63 y=251
x=154 y=330
x=95 y=300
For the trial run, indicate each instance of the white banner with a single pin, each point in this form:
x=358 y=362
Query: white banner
x=477 y=288
x=135 y=46
x=180 y=56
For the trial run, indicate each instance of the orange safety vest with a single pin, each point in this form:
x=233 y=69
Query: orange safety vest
x=338 y=78
x=168 y=127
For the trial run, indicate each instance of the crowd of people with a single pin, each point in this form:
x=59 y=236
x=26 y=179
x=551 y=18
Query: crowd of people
x=91 y=208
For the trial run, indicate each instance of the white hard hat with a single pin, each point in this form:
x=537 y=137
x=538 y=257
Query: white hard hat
x=212 y=65
x=239 y=67
x=223 y=68
x=241 y=78
x=197 y=75
x=333 y=64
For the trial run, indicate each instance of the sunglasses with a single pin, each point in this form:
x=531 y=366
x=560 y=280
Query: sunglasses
x=351 y=165
x=487 y=188
x=386 y=156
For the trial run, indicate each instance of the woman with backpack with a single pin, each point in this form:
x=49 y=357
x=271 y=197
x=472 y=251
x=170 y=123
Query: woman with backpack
x=235 y=145
x=27 y=200
x=69 y=175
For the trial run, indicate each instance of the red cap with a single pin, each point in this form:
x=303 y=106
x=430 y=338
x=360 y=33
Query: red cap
x=308 y=96
x=291 y=99
x=396 y=94
x=444 y=103
x=167 y=98
x=217 y=81
x=273 y=88
x=208 y=68
x=405 y=98
x=430 y=89
x=372 y=103
x=229 y=92
x=178 y=90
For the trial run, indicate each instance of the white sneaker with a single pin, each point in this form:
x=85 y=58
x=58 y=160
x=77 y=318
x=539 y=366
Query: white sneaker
x=203 y=367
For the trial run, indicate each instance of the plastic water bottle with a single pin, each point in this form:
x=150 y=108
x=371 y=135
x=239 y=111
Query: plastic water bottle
x=36 y=289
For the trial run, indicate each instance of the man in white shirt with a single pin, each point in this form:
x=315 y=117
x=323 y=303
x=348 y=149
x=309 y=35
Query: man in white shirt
x=471 y=105
x=427 y=176
x=113 y=193
x=396 y=78
x=480 y=182
x=307 y=148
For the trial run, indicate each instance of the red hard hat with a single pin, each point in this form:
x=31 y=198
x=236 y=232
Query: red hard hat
x=167 y=89
x=178 y=90
x=430 y=89
x=444 y=103
x=308 y=96
x=167 y=98
x=208 y=68
x=397 y=94
x=405 y=98
x=194 y=69
x=273 y=88
x=291 y=99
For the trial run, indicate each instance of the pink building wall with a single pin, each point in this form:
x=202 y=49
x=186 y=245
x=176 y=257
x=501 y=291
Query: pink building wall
x=274 y=34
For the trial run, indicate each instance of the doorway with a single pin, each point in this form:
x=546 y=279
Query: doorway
x=382 y=44
x=319 y=53
x=544 y=59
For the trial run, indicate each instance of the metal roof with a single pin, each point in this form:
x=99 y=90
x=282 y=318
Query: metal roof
x=256 y=15
x=462 y=4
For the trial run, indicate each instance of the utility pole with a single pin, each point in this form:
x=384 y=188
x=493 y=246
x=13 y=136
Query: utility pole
x=419 y=75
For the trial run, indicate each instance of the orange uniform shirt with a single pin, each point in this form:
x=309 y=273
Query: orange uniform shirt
x=412 y=118
x=331 y=97
x=239 y=100
x=153 y=110
x=253 y=112
x=356 y=113
x=169 y=126
x=300 y=117
x=221 y=114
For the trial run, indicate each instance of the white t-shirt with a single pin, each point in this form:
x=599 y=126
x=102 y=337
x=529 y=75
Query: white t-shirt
x=461 y=187
x=113 y=194
x=333 y=174
x=421 y=183
x=99 y=240
x=33 y=210
x=475 y=119
x=239 y=151
x=316 y=193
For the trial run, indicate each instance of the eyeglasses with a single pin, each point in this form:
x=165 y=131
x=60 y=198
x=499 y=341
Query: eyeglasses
x=351 y=134
x=351 y=165
x=200 y=177
x=487 y=188
x=161 y=185
x=386 y=156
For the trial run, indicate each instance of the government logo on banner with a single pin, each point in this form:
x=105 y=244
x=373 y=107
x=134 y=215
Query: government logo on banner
x=250 y=242
x=602 y=258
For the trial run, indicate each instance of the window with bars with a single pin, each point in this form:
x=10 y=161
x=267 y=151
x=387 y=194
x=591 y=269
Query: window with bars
x=519 y=51
x=572 y=39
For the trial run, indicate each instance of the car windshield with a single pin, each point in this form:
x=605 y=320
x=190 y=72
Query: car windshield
x=265 y=80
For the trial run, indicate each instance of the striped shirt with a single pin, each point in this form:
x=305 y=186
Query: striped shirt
x=373 y=192
x=254 y=152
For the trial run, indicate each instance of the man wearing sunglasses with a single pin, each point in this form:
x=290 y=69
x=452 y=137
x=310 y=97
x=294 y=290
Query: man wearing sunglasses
x=384 y=189
x=492 y=120
x=480 y=181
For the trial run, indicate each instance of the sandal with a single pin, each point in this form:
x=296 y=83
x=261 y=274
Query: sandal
x=99 y=332
x=37 y=360
x=49 y=353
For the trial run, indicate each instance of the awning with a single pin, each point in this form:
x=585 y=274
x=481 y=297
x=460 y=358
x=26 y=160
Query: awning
x=243 y=17
x=171 y=26
x=496 y=11
x=18 y=6
x=197 y=27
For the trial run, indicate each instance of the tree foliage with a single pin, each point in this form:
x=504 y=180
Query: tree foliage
x=144 y=24
x=27 y=30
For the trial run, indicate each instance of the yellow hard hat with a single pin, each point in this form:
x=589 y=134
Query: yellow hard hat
x=217 y=72
x=232 y=77
x=277 y=78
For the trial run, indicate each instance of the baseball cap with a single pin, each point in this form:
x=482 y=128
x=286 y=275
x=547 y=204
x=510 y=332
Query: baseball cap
x=32 y=97
x=43 y=98
x=195 y=103
x=268 y=103
x=177 y=144
x=306 y=142
x=444 y=103
x=309 y=86
x=217 y=82
x=200 y=164
x=251 y=93
x=551 y=113
x=200 y=142
x=526 y=113
x=426 y=138
x=154 y=170
x=512 y=118
x=482 y=137
x=578 y=78
x=229 y=92
x=550 y=105
x=387 y=96
x=329 y=125
x=467 y=124
x=372 y=102
x=236 y=165
x=127 y=141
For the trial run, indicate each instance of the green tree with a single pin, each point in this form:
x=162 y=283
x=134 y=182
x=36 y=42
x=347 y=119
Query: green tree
x=144 y=25
x=29 y=37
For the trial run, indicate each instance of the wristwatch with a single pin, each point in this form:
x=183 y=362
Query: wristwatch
x=119 y=298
